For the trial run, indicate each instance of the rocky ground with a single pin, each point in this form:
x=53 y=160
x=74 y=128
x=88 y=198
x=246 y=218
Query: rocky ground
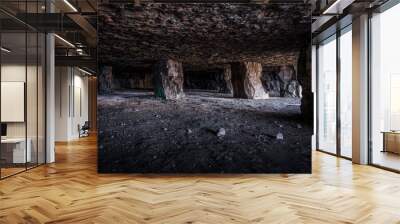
x=205 y=132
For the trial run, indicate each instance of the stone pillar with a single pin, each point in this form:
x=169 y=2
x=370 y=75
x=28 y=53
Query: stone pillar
x=246 y=80
x=227 y=88
x=105 y=80
x=168 y=79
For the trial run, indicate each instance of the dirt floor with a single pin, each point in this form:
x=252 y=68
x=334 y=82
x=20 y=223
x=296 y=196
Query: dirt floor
x=205 y=132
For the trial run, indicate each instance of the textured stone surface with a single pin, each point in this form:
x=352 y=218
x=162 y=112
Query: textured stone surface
x=304 y=70
x=281 y=81
x=206 y=33
x=133 y=79
x=246 y=80
x=105 y=79
x=168 y=79
x=205 y=80
x=228 y=88
x=141 y=134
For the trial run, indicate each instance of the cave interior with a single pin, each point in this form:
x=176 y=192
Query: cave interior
x=205 y=87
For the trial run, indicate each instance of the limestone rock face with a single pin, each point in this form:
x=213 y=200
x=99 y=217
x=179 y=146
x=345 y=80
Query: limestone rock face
x=246 y=80
x=105 y=80
x=133 y=79
x=168 y=79
x=212 y=79
x=281 y=81
x=228 y=88
x=294 y=89
x=215 y=33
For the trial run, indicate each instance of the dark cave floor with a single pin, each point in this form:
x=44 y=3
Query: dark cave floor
x=139 y=133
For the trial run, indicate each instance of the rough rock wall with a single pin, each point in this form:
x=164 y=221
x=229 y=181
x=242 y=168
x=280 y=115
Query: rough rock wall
x=246 y=80
x=105 y=79
x=202 y=33
x=206 y=80
x=304 y=69
x=168 y=79
x=281 y=81
x=228 y=88
x=133 y=80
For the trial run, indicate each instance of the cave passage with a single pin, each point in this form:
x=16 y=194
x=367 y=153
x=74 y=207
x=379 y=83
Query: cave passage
x=270 y=81
x=205 y=88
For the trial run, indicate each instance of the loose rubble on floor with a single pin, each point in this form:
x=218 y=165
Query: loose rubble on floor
x=203 y=132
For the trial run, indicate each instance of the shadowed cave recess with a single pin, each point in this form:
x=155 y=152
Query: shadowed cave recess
x=205 y=87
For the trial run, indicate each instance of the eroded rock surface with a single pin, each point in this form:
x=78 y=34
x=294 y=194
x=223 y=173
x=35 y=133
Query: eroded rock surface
x=281 y=81
x=142 y=134
x=204 y=80
x=105 y=79
x=246 y=80
x=228 y=88
x=203 y=33
x=168 y=79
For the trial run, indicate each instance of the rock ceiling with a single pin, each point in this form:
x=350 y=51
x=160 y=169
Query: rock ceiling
x=198 y=34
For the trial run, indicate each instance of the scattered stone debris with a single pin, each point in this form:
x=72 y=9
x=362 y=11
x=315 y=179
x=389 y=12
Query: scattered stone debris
x=165 y=129
x=221 y=132
x=278 y=124
x=192 y=144
x=279 y=136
